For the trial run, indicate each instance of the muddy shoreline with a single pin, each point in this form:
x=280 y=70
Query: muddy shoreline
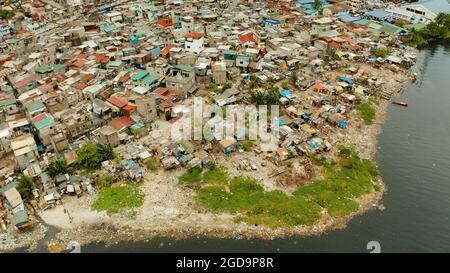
x=97 y=227
x=109 y=233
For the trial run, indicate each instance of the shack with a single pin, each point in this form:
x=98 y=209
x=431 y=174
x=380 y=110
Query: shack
x=228 y=145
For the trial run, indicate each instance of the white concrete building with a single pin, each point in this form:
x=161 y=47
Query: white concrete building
x=194 y=42
x=423 y=11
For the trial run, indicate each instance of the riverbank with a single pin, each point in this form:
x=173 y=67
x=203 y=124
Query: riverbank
x=170 y=211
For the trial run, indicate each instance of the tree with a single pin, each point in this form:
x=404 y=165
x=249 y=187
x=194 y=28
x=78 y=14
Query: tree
x=266 y=98
x=105 y=152
x=57 y=166
x=400 y=23
x=332 y=55
x=285 y=84
x=25 y=187
x=294 y=77
x=88 y=157
x=213 y=86
x=226 y=86
x=443 y=20
x=6 y=14
x=316 y=4
x=381 y=52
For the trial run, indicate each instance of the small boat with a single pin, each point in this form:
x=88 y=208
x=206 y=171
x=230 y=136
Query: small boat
x=401 y=103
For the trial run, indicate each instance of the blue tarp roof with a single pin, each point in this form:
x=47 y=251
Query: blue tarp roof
x=280 y=122
x=272 y=21
x=132 y=167
x=346 y=79
x=285 y=93
x=155 y=50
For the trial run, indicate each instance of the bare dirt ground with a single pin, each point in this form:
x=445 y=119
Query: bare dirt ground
x=169 y=208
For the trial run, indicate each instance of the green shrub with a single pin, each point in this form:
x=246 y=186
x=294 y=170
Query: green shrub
x=25 y=186
x=153 y=164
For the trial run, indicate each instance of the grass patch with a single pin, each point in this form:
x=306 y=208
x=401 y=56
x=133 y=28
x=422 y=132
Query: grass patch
x=105 y=181
x=153 y=164
x=367 y=111
x=247 y=145
x=191 y=176
x=115 y=199
x=216 y=175
x=212 y=175
x=342 y=182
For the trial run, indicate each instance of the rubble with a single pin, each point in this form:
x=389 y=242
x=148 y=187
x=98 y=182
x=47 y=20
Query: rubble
x=121 y=74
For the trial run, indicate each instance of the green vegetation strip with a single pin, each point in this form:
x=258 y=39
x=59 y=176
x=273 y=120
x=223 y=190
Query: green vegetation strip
x=437 y=30
x=342 y=182
x=367 y=111
x=115 y=199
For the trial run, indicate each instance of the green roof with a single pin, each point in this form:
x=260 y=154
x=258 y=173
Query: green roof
x=243 y=57
x=114 y=63
x=35 y=105
x=8 y=89
x=183 y=67
x=20 y=218
x=44 y=69
x=43 y=123
x=109 y=27
x=140 y=75
x=150 y=79
x=59 y=67
x=390 y=28
x=230 y=52
x=7 y=102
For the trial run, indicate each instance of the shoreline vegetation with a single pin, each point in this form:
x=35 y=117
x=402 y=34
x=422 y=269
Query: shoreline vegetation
x=341 y=181
x=215 y=202
x=437 y=30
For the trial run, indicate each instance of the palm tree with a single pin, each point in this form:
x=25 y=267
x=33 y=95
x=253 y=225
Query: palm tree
x=105 y=152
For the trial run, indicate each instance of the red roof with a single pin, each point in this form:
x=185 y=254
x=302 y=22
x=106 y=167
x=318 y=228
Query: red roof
x=28 y=79
x=45 y=87
x=194 y=35
x=129 y=107
x=246 y=38
x=38 y=118
x=117 y=102
x=167 y=104
x=121 y=123
x=166 y=50
x=79 y=63
x=165 y=22
x=318 y=86
x=80 y=85
x=87 y=77
x=101 y=58
x=334 y=45
x=125 y=78
x=61 y=77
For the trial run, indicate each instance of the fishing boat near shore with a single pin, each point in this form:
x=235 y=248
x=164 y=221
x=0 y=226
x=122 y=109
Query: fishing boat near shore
x=401 y=103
